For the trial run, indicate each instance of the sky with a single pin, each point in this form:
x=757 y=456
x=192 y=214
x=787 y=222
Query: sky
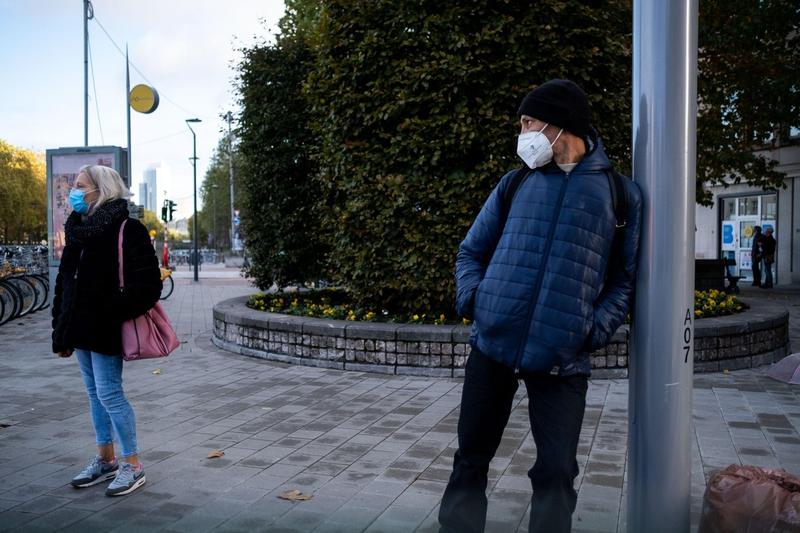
x=187 y=49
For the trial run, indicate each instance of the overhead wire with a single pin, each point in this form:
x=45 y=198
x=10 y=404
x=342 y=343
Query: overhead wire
x=94 y=89
x=160 y=94
x=148 y=141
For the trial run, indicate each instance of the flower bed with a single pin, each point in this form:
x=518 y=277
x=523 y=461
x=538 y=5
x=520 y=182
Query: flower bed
x=713 y=303
x=335 y=304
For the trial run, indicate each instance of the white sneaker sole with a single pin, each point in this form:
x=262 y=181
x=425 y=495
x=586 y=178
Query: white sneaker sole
x=136 y=484
x=102 y=478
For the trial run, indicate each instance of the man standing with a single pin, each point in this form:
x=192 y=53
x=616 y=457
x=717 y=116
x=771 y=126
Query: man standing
x=756 y=256
x=768 y=249
x=538 y=274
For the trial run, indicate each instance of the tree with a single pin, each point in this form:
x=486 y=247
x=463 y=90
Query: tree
x=23 y=198
x=152 y=222
x=280 y=217
x=749 y=97
x=215 y=194
x=202 y=231
x=413 y=109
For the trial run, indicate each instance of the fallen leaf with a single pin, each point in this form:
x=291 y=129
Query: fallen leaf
x=213 y=454
x=725 y=371
x=157 y=371
x=294 y=496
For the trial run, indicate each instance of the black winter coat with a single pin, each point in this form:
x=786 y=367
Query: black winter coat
x=768 y=247
x=89 y=307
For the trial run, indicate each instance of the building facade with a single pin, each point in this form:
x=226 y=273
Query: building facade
x=726 y=229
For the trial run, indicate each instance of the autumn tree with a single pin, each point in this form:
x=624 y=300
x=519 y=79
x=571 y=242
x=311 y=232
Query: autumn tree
x=23 y=199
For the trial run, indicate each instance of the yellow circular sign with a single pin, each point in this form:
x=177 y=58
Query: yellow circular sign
x=748 y=232
x=143 y=99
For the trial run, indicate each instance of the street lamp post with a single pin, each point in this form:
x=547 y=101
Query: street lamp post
x=189 y=122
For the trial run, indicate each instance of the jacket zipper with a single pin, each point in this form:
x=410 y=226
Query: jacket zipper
x=540 y=277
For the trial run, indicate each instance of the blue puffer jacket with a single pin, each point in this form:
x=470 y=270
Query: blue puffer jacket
x=537 y=286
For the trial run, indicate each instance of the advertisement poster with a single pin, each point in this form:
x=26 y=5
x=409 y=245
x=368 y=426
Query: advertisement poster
x=745 y=260
x=64 y=172
x=729 y=236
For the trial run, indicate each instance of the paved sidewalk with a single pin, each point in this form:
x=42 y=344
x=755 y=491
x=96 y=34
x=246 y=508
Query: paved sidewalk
x=374 y=450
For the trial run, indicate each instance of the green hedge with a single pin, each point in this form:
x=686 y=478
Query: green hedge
x=279 y=218
x=413 y=106
x=374 y=129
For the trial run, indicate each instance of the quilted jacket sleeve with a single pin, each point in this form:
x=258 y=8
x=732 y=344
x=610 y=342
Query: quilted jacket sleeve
x=477 y=248
x=612 y=306
x=142 y=275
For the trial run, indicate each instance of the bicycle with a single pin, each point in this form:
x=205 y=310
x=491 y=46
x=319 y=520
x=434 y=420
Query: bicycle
x=24 y=283
x=168 y=285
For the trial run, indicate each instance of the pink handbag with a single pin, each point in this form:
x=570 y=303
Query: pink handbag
x=147 y=336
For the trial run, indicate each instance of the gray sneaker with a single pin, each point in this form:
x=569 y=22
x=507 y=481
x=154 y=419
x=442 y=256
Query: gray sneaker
x=128 y=480
x=95 y=472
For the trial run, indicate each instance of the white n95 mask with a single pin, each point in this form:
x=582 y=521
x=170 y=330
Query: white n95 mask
x=534 y=148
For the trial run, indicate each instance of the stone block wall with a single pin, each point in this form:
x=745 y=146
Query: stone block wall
x=751 y=339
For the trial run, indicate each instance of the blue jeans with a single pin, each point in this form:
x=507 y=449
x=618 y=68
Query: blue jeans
x=102 y=375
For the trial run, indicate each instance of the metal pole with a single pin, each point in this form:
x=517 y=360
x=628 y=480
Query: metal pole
x=230 y=171
x=662 y=358
x=194 y=218
x=128 y=111
x=86 y=72
x=189 y=122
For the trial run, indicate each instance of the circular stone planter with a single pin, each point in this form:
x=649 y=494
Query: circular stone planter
x=753 y=338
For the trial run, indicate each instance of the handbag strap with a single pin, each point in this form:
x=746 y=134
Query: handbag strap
x=119 y=254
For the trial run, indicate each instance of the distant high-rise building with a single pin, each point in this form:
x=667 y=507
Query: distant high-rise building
x=143 y=196
x=148 y=189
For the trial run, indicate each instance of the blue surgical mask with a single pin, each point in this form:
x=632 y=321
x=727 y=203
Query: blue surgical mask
x=78 y=202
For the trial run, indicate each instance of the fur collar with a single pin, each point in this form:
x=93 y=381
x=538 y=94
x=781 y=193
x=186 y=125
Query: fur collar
x=81 y=230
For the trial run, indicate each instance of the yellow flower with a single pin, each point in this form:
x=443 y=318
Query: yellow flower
x=441 y=319
x=415 y=318
x=466 y=321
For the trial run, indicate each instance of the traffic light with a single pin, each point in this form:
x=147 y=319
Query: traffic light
x=172 y=206
x=164 y=212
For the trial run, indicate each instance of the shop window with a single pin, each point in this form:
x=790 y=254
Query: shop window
x=748 y=205
x=769 y=207
x=729 y=209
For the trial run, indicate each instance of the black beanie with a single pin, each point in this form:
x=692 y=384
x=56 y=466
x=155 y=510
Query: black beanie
x=560 y=103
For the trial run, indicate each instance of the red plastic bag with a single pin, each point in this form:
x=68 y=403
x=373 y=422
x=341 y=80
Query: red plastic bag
x=749 y=499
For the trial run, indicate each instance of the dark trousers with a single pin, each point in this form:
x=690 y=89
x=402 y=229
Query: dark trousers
x=768 y=280
x=555 y=407
x=756 y=262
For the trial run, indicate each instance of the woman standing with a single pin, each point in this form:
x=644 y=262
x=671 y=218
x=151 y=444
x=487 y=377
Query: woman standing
x=89 y=309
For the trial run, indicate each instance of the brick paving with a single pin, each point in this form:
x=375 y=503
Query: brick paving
x=374 y=450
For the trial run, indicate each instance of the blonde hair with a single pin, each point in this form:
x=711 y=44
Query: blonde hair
x=108 y=183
